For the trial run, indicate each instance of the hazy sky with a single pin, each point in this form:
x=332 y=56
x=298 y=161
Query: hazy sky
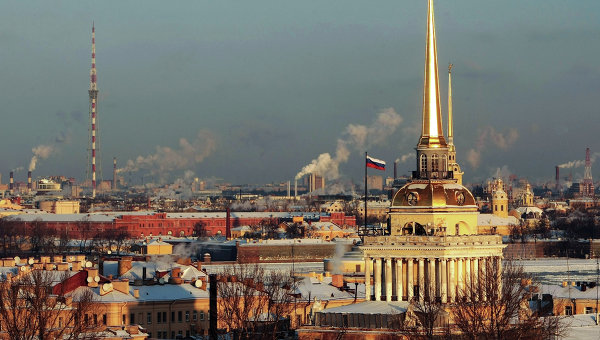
x=258 y=89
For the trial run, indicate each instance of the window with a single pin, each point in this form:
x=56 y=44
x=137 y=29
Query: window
x=132 y=318
x=568 y=310
x=435 y=165
x=357 y=268
x=60 y=321
x=164 y=317
x=158 y=318
x=149 y=318
x=179 y=316
x=589 y=310
x=201 y=315
x=195 y=315
x=172 y=316
x=423 y=163
x=141 y=318
x=95 y=319
x=104 y=319
x=501 y=208
x=187 y=316
x=172 y=334
x=124 y=319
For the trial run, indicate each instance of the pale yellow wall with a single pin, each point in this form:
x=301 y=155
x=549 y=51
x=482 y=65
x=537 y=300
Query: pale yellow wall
x=467 y=221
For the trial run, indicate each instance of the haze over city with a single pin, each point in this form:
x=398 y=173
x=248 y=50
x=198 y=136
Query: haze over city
x=255 y=91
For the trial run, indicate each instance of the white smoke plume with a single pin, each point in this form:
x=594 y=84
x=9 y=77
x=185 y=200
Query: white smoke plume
x=579 y=163
x=502 y=140
x=40 y=152
x=358 y=136
x=167 y=159
x=406 y=157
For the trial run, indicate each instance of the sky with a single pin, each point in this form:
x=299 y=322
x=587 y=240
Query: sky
x=254 y=91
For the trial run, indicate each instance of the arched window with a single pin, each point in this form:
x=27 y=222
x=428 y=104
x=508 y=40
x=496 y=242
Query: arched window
x=423 y=163
x=444 y=163
x=435 y=166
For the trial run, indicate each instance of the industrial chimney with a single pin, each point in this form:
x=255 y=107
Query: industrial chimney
x=557 y=179
x=11 y=185
x=114 y=183
x=228 y=224
x=28 y=182
x=395 y=170
x=295 y=188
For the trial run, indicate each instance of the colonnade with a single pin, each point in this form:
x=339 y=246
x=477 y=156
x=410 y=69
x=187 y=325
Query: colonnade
x=396 y=279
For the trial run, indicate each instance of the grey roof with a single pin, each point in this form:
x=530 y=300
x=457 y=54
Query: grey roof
x=371 y=307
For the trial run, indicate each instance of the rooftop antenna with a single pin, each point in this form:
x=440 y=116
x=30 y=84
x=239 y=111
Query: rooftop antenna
x=93 y=93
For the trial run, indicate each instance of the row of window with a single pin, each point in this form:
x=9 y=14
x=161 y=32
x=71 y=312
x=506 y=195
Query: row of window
x=165 y=334
x=161 y=317
x=435 y=165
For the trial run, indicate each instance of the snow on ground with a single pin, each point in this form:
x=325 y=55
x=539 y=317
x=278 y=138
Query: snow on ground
x=582 y=327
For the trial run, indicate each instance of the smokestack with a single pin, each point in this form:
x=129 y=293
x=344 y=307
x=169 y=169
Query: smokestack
x=28 y=181
x=114 y=183
x=395 y=170
x=557 y=178
x=11 y=185
x=288 y=189
x=228 y=225
x=295 y=188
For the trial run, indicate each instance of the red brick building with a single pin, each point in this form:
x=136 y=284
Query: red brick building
x=142 y=224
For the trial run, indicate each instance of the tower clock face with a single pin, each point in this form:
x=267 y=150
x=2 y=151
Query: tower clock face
x=460 y=198
x=412 y=198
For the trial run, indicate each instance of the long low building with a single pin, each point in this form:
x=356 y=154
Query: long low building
x=150 y=223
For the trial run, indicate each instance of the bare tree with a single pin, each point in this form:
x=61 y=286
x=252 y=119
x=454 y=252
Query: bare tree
x=428 y=311
x=496 y=306
x=253 y=302
x=29 y=309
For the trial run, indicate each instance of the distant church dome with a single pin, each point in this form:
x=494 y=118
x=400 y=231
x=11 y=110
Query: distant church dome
x=433 y=194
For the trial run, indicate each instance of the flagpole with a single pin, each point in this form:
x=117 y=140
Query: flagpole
x=365 y=226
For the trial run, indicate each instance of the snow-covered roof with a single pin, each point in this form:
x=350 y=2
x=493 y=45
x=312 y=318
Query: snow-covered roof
x=311 y=288
x=371 y=307
x=528 y=210
x=169 y=292
x=137 y=270
x=493 y=220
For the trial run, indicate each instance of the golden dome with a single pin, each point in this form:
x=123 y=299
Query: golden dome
x=433 y=193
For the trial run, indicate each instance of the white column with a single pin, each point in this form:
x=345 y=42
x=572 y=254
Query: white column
x=499 y=276
x=452 y=281
x=388 y=279
x=461 y=277
x=444 y=277
x=432 y=283
x=468 y=278
x=476 y=290
x=421 y=278
x=377 y=279
x=399 y=278
x=409 y=279
x=484 y=279
x=368 y=262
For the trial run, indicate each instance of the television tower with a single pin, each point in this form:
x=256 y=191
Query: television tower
x=93 y=92
x=588 y=182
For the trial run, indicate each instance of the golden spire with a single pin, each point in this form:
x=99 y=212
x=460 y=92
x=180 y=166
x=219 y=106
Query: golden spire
x=431 y=134
x=450 y=127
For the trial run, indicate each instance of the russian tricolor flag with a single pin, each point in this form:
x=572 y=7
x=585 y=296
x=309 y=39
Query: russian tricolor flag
x=375 y=163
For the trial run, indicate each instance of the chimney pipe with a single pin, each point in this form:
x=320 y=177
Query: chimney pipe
x=28 y=181
x=11 y=186
x=557 y=178
x=228 y=225
x=295 y=188
x=288 y=189
x=114 y=183
x=395 y=170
